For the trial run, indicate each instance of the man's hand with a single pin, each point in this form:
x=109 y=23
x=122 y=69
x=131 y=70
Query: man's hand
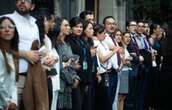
x=32 y=56
x=141 y=59
x=11 y=106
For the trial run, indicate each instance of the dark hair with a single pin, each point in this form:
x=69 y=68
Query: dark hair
x=98 y=29
x=107 y=17
x=114 y=33
x=153 y=27
x=83 y=14
x=40 y=23
x=14 y=45
x=15 y=39
x=57 y=29
x=126 y=32
x=129 y=22
x=85 y=24
x=140 y=21
x=75 y=21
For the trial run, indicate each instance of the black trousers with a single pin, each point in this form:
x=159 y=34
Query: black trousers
x=102 y=100
x=50 y=91
x=76 y=99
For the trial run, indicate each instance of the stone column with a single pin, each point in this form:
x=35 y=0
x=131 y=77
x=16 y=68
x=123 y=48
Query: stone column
x=122 y=15
x=68 y=8
x=115 y=8
x=57 y=8
x=106 y=8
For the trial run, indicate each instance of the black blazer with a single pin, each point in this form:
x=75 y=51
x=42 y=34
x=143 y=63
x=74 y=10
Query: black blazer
x=77 y=45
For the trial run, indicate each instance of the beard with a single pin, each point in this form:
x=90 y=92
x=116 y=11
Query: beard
x=23 y=12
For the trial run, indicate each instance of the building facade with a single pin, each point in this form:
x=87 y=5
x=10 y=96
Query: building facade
x=122 y=10
x=101 y=8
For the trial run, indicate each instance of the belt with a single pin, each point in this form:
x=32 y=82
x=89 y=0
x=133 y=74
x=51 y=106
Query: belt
x=23 y=74
x=111 y=71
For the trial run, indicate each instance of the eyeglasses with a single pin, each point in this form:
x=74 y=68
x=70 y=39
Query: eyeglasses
x=30 y=1
x=133 y=25
x=7 y=26
x=141 y=26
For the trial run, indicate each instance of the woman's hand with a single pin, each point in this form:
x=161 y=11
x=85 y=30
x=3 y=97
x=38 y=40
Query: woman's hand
x=77 y=66
x=93 y=51
x=76 y=83
x=49 y=61
x=67 y=63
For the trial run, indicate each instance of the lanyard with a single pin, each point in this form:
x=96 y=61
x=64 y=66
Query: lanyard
x=84 y=49
x=118 y=54
x=105 y=67
x=84 y=54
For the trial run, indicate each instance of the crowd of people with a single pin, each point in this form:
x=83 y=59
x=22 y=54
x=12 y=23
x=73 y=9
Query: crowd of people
x=51 y=63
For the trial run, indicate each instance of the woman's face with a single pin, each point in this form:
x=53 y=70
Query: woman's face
x=158 y=30
x=65 y=28
x=78 y=29
x=118 y=36
x=89 y=30
x=7 y=30
x=46 y=25
x=126 y=38
x=101 y=36
x=52 y=22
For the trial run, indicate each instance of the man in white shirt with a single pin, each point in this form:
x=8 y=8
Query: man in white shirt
x=28 y=33
x=110 y=27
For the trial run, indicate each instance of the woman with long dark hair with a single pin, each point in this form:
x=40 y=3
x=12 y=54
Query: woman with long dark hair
x=41 y=91
x=8 y=59
x=87 y=39
x=50 y=57
x=68 y=76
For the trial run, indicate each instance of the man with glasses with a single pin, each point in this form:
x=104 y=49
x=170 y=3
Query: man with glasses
x=145 y=64
x=132 y=98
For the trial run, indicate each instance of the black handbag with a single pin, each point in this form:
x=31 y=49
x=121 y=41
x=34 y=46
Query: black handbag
x=51 y=72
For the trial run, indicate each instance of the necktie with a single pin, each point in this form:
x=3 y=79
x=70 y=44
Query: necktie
x=146 y=44
x=135 y=45
x=118 y=54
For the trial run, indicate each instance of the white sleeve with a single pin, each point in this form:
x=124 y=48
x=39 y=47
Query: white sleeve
x=108 y=40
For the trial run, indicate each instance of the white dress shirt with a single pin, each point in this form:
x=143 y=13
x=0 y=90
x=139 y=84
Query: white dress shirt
x=114 y=60
x=28 y=32
x=104 y=50
x=52 y=52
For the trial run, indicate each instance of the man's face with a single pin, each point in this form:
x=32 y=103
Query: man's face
x=140 y=27
x=90 y=17
x=132 y=27
x=24 y=6
x=110 y=25
x=78 y=29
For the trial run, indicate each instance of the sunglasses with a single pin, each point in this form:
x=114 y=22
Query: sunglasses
x=7 y=26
